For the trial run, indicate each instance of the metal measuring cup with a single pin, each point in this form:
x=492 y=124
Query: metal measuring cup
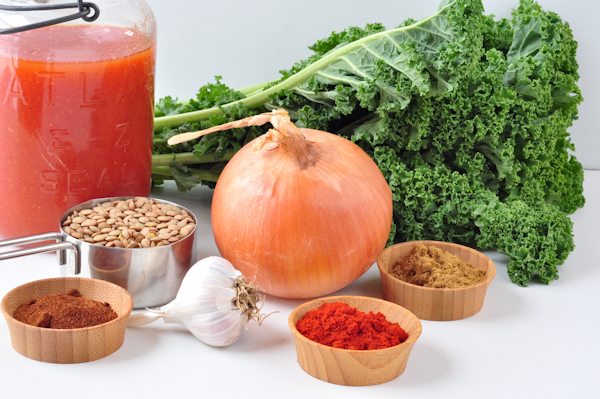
x=151 y=275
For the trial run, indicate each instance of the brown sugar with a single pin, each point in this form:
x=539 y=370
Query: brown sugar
x=429 y=266
x=64 y=311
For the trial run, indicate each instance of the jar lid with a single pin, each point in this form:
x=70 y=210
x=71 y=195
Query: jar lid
x=85 y=10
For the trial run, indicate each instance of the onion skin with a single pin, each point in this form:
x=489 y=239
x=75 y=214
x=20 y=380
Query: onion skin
x=303 y=219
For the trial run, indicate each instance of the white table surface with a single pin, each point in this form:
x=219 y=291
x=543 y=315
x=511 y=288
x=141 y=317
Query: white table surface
x=535 y=342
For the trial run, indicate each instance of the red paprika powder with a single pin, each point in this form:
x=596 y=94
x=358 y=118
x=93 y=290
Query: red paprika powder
x=342 y=326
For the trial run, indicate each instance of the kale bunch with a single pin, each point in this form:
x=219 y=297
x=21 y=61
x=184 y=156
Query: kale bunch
x=466 y=117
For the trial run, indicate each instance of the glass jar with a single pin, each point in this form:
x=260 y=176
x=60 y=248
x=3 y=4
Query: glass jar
x=76 y=111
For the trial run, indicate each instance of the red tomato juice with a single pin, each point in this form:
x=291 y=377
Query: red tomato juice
x=76 y=115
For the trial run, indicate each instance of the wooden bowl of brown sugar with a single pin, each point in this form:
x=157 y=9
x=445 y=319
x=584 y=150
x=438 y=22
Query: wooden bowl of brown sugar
x=68 y=345
x=431 y=303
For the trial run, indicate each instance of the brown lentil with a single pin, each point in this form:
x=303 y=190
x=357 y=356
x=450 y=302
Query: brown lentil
x=131 y=223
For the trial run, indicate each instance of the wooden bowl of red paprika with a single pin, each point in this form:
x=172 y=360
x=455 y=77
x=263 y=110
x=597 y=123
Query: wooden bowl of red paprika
x=68 y=345
x=431 y=303
x=354 y=367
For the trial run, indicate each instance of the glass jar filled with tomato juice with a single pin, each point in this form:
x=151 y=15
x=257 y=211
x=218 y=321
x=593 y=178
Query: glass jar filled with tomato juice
x=76 y=111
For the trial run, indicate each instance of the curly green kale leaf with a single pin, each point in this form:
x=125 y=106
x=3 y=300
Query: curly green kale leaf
x=536 y=239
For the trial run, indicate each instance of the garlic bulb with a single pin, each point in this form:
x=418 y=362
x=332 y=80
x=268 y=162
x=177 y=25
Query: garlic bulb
x=214 y=302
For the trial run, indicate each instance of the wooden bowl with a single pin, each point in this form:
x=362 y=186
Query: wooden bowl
x=441 y=304
x=68 y=345
x=355 y=367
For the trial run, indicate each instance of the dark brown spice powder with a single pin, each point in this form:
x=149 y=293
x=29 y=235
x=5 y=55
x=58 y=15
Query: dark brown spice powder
x=429 y=266
x=64 y=311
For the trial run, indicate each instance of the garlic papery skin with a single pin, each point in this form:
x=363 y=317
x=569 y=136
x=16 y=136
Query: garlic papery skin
x=207 y=303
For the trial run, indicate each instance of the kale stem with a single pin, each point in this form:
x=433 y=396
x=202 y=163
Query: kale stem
x=189 y=158
x=177 y=120
x=161 y=173
x=164 y=173
x=254 y=88
x=257 y=99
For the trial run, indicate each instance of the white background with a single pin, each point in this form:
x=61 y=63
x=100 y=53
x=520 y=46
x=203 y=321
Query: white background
x=249 y=42
x=534 y=342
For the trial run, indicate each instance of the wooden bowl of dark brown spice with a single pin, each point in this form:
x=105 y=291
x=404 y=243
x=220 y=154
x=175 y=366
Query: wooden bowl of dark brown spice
x=436 y=280
x=67 y=319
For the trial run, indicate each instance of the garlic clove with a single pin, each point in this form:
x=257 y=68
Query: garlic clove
x=143 y=318
x=216 y=328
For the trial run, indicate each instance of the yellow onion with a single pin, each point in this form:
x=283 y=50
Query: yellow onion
x=301 y=211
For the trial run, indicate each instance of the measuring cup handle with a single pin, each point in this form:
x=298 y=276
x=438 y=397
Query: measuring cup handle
x=60 y=246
